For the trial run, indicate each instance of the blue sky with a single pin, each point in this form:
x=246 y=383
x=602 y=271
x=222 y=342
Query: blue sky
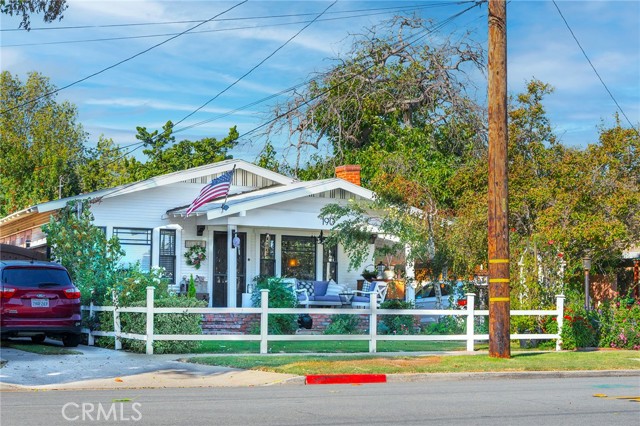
x=172 y=80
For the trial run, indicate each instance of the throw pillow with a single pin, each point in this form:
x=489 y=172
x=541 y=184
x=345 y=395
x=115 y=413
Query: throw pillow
x=366 y=286
x=306 y=285
x=334 y=289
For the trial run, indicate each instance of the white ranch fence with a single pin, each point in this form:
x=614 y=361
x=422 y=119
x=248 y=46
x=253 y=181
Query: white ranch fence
x=264 y=311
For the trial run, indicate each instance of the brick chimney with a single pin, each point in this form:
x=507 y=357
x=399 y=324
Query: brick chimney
x=350 y=173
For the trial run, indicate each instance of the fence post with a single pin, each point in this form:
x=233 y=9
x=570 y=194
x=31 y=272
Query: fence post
x=149 y=332
x=264 y=321
x=373 y=322
x=559 y=320
x=90 y=339
x=116 y=322
x=471 y=312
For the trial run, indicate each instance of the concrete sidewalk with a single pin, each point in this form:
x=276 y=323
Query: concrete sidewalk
x=99 y=368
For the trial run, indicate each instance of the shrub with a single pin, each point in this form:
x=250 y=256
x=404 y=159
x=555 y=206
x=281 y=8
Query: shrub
x=446 y=325
x=343 y=324
x=132 y=287
x=620 y=323
x=396 y=324
x=579 y=328
x=91 y=259
x=191 y=291
x=164 y=324
x=280 y=296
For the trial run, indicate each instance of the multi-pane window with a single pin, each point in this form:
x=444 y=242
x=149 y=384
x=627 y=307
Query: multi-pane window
x=330 y=262
x=168 y=254
x=136 y=242
x=299 y=257
x=267 y=255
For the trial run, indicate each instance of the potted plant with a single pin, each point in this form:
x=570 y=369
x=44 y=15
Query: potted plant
x=369 y=274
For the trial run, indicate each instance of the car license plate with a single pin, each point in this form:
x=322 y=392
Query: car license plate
x=39 y=303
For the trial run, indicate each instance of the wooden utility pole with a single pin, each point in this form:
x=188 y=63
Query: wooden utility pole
x=499 y=305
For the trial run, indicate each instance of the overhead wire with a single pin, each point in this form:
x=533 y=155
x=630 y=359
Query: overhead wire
x=242 y=18
x=594 y=68
x=250 y=27
x=256 y=66
x=120 y=62
x=418 y=36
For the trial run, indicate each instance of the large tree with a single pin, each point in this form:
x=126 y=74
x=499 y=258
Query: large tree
x=52 y=10
x=395 y=104
x=164 y=155
x=562 y=202
x=40 y=141
x=105 y=166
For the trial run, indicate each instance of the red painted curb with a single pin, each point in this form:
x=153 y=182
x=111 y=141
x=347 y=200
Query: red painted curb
x=343 y=379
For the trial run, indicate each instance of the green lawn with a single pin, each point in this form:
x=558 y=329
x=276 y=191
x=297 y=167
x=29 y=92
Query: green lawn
x=377 y=364
x=337 y=346
x=39 y=348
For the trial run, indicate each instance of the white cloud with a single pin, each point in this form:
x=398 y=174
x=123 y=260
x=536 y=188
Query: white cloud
x=155 y=104
x=134 y=11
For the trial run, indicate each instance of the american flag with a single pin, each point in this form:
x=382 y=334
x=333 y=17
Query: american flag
x=218 y=187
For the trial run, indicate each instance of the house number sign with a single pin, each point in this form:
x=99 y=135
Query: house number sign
x=328 y=221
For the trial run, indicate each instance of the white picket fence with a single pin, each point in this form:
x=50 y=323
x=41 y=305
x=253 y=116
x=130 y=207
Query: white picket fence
x=264 y=311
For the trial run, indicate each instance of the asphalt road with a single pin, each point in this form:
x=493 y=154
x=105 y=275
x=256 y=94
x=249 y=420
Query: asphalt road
x=525 y=401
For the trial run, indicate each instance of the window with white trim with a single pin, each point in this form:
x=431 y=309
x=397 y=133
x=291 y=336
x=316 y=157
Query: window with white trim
x=136 y=242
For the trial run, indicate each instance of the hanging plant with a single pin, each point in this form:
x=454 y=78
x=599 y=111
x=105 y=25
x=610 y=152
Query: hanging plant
x=195 y=256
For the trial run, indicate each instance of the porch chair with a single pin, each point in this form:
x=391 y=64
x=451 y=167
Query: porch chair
x=361 y=298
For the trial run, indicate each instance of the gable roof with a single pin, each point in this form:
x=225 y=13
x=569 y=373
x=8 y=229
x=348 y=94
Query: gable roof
x=273 y=195
x=154 y=182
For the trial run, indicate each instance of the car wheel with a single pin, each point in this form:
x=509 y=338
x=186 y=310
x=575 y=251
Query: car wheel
x=38 y=338
x=71 y=340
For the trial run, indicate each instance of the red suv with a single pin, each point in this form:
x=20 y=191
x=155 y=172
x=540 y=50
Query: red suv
x=38 y=299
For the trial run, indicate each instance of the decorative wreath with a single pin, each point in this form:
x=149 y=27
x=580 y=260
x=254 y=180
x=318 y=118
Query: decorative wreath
x=195 y=256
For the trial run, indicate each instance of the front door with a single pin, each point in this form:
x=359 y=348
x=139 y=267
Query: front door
x=221 y=251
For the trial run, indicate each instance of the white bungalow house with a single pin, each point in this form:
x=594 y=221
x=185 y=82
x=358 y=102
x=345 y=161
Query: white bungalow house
x=274 y=217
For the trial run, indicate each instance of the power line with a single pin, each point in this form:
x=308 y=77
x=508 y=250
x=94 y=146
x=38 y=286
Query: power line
x=324 y=92
x=418 y=36
x=256 y=66
x=594 y=69
x=119 y=63
x=292 y=15
x=49 y=43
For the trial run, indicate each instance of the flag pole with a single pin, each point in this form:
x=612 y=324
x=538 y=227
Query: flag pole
x=224 y=203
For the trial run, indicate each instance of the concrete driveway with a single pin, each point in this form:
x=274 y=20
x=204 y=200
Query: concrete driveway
x=99 y=368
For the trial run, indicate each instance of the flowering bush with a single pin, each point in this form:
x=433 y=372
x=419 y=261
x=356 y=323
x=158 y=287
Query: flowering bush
x=580 y=328
x=133 y=283
x=195 y=256
x=620 y=323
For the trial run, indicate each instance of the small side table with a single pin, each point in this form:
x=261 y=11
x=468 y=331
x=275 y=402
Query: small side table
x=345 y=298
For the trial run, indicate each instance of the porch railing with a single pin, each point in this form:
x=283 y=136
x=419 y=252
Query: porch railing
x=264 y=311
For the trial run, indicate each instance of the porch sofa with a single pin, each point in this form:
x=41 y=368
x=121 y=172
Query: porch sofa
x=319 y=293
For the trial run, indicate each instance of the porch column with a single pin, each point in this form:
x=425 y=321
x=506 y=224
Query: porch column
x=232 y=277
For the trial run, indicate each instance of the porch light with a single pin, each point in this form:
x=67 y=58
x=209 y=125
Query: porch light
x=293 y=262
x=235 y=240
x=372 y=238
x=320 y=238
